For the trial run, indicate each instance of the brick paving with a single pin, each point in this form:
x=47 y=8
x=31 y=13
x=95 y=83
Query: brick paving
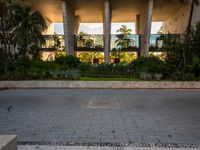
x=67 y=116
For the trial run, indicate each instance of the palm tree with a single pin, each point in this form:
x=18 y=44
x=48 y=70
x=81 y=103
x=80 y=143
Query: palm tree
x=56 y=40
x=123 y=39
x=4 y=43
x=124 y=30
x=26 y=27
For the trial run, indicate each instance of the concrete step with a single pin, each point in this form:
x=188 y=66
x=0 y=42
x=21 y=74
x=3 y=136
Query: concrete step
x=8 y=142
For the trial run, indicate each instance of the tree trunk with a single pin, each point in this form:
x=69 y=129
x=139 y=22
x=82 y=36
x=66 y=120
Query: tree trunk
x=4 y=47
x=188 y=33
x=188 y=30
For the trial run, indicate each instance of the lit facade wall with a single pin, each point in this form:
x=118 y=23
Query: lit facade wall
x=49 y=30
x=177 y=23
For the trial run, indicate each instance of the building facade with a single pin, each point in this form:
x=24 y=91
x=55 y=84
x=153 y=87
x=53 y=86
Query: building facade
x=71 y=13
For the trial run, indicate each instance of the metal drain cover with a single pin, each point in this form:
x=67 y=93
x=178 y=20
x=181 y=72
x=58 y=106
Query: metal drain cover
x=95 y=104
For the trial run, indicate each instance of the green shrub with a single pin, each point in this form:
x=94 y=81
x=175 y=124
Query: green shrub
x=28 y=69
x=150 y=64
x=182 y=76
x=85 y=67
x=145 y=76
x=23 y=64
x=69 y=61
x=1 y=60
x=150 y=76
x=105 y=70
x=69 y=74
x=72 y=74
x=158 y=76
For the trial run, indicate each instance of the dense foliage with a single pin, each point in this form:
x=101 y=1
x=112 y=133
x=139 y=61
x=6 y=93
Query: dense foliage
x=69 y=67
x=183 y=58
x=22 y=30
x=27 y=69
x=69 y=61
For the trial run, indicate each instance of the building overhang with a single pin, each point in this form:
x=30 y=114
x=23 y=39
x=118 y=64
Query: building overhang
x=91 y=11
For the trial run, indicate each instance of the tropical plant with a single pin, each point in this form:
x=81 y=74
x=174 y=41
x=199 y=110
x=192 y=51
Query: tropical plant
x=88 y=43
x=115 y=53
x=123 y=39
x=90 y=57
x=56 y=40
x=127 y=57
x=124 y=30
x=4 y=43
x=81 y=38
x=26 y=27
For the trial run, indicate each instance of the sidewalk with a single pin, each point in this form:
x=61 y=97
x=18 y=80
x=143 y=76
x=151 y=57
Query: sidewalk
x=102 y=117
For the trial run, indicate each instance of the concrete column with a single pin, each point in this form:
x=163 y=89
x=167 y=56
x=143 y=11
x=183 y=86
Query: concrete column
x=107 y=29
x=68 y=24
x=137 y=24
x=145 y=26
x=77 y=25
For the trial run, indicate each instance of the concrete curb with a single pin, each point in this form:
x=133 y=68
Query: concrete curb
x=28 y=147
x=101 y=84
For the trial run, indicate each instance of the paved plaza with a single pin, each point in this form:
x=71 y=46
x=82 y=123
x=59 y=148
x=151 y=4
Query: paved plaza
x=101 y=116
